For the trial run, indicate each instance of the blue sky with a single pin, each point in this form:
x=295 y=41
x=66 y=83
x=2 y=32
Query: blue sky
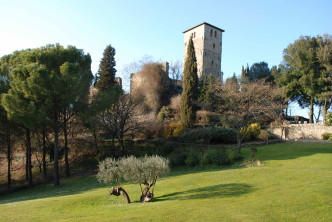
x=255 y=31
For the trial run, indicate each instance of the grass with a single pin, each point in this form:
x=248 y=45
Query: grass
x=293 y=184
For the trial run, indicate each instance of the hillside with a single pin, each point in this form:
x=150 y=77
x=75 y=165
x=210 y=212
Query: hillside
x=292 y=184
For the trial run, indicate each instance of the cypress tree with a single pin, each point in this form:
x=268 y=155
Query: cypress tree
x=190 y=87
x=243 y=72
x=247 y=71
x=106 y=72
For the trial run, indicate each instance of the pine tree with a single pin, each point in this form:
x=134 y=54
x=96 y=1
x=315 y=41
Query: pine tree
x=59 y=79
x=106 y=72
x=190 y=87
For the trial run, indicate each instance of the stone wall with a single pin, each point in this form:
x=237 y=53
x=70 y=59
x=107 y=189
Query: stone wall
x=301 y=131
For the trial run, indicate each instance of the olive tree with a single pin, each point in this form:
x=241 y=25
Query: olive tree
x=109 y=171
x=143 y=170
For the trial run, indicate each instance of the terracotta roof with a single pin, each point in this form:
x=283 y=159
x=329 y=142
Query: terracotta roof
x=204 y=23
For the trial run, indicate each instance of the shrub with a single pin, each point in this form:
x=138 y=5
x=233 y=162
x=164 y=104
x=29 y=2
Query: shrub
x=164 y=113
x=264 y=135
x=328 y=119
x=326 y=136
x=174 y=129
x=217 y=156
x=151 y=130
x=175 y=103
x=212 y=135
x=178 y=158
x=192 y=159
x=234 y=156
x=252 y=132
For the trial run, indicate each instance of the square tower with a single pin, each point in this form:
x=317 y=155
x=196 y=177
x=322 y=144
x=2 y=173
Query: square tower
x=208 y=46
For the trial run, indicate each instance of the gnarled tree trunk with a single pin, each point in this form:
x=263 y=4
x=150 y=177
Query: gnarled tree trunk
x=147 y=196
x=120 y=191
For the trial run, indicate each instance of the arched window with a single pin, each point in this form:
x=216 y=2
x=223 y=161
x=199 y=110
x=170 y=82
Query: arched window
x=214 y=46
x=211 y=33
x=215 y=34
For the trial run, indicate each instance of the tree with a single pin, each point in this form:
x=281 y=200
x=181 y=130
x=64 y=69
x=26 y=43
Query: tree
x=303 y=73
x=255 y=102
x=20 y=103
x=47 y=81
x=107 y=71
x=325 y=81
x=190 y=87
x=121 y=119
x=243 y=72
x=143 y=171
x=6 y=126
x=260 y=70
x=152 y=85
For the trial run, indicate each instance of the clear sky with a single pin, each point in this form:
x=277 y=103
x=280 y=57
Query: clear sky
x=255 y=31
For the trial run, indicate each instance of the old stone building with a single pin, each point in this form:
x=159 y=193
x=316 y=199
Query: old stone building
x=208 y=46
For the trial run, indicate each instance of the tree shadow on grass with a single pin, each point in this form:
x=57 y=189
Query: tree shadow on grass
x=289 y=150
x=215 y=191
x=70 y=186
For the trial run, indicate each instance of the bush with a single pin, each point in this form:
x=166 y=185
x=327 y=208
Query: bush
x=174 y=129
x=328 y=119
x=326 y=136
x=264 y=135
x=164 y=113
x=234 y=156
x=177 y=158
x=212 y=135
x=217 y=156
x=151 y=130
x=252 y=132
x=192 y=159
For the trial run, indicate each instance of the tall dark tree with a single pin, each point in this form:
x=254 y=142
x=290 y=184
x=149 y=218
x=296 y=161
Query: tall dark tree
x=247 y=70
x=243 y=72
x=107 y=71
x=190 y=87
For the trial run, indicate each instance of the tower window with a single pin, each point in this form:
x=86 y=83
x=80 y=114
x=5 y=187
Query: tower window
x=211 y=33
x=212 y=62
x=194 y=34
x=214 y=46
x=215 y=34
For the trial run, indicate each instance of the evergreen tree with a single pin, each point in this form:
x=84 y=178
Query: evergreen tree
x=47 y=81
x=260 y=70
x=243 y=72
x=303 y=73
x=190 y=87
x=247 y=71
x=106 y=72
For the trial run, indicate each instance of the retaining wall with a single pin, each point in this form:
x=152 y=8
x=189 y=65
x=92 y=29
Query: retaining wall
x=301 y=131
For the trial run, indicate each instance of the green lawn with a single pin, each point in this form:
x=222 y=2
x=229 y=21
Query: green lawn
x=293 y=184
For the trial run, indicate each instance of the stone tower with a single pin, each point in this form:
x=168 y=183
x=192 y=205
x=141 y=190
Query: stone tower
x=208 y=46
